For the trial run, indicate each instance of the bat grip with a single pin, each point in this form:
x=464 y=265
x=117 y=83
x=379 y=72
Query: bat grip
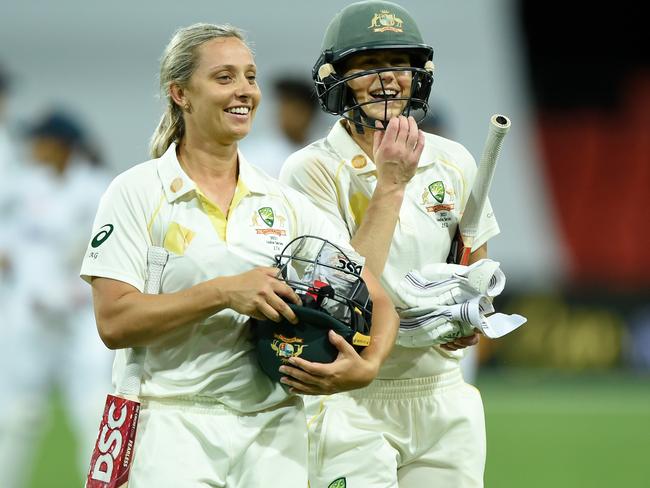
x=498 y=128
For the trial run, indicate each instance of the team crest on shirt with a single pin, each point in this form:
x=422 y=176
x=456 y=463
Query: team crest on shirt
x=266 y=222
x=338 y=483
x=438 y=199
x=270 y=226
x=287 y=347
x=439 y=193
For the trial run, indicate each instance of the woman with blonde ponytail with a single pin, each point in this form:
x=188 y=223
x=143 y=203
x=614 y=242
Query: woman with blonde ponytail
x=176 y=67
x=209 y=415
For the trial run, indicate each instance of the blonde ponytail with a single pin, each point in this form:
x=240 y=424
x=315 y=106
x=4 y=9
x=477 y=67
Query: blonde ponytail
x=177 y=64
x=170 y=129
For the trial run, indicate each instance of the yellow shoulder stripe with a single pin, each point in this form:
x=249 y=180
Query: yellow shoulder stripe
x=153 y=217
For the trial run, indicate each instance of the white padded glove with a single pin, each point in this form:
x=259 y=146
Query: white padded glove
x=444 y=302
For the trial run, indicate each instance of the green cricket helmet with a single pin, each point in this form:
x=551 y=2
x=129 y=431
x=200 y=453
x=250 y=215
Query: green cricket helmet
x=369 y=26
x=334 y=297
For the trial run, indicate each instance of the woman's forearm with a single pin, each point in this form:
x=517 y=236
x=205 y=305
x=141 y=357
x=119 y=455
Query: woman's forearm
x=127 y=318
x=375 y=234
x=385 y=324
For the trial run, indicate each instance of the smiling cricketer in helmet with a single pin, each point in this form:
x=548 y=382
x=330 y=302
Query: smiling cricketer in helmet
x=375 y=37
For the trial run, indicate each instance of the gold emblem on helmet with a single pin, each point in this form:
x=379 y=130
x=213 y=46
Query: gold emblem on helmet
x=384 y=20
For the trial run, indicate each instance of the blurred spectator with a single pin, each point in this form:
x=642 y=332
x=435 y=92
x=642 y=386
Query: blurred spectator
x=6 y=160
x=6 y=147
x=297 y=110
x=49 y=335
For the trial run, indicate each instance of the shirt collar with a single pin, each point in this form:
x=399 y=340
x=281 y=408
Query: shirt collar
x=174 y=180
x=176 y=183
x=349 y=150
x=356 y=158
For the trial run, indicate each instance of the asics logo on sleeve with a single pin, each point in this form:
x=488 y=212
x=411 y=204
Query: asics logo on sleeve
x=103 y=234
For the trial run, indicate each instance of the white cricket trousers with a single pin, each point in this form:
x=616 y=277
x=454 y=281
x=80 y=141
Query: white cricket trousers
x=414 y=433
x=191 y=445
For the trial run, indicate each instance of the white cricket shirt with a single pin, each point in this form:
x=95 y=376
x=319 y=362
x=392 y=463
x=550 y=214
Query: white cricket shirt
x=336 y=175
x=157 y=203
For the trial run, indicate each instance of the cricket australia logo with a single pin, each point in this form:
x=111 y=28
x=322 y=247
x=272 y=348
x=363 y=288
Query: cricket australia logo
x=437 y=190
x=267 y=215
x=384 y=20
x=265 y=219
x=287 y=347
x=441 y=210
x=338 y=483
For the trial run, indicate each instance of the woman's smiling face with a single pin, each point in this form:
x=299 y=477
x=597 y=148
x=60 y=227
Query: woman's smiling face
x=378 y=89
x=223 y=92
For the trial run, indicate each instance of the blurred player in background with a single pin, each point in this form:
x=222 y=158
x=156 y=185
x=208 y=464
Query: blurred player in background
x=210 y=416
x=6 y=147
x=296 y=113
x=51 y=339
x=398 y=192
x=7 y=161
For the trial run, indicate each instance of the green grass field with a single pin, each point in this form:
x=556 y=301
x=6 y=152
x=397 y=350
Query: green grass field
x=544 y=430
x=557 y=431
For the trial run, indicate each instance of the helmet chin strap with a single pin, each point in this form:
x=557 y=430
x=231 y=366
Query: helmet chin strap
x=357 y=118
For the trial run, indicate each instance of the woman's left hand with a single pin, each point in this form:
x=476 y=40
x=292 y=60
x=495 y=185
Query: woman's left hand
x=462 y=342
x=348 y=372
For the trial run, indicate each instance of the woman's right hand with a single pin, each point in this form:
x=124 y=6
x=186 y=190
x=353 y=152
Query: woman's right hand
x=397 y=150
x=260 y=294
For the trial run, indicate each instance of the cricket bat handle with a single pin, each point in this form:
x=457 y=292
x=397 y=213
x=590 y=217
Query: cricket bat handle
x=463 y=243
x=498 y=128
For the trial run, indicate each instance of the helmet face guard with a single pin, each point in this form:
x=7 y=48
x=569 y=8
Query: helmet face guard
x=336 y=96
x=334 y=297
x=318 y=270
